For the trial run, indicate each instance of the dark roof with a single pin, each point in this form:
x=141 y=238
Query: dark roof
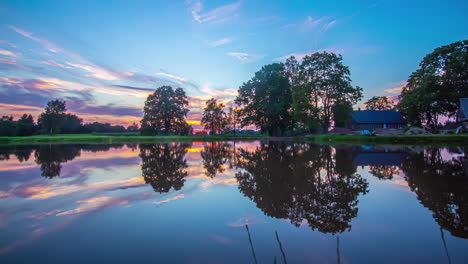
x=378 y=117
x=463 y=111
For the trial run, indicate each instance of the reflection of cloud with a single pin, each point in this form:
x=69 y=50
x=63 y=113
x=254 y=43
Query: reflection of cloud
x=40 y=191
x=247 y=220
x=219 y=181
x=94 y=204
x=221 y=239
x=178 y=196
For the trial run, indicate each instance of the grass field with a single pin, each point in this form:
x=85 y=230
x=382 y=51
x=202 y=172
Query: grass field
x=323 y=139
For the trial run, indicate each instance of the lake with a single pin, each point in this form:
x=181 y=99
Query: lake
x=233 y=202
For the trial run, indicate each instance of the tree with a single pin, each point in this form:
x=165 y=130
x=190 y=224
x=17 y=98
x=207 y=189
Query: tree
x=265 y=101
x=214 y=118
x=133 y=127
x=7 y=126
x=433 y=90
x=234 y=120
x=72 y=124
x=322 y=81
x=165 y=112
x=52 y=118
x=379 y=103
x=25 y=126
x=342 y=111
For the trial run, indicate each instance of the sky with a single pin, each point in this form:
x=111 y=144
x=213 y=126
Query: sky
x=105 y=57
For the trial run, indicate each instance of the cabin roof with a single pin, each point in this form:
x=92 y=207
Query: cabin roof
x=378 y=117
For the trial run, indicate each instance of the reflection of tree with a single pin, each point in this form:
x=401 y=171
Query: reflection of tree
x=22 y=153
x=51 y=157
x=384 y=172
x=302 y=182
x=442 y=187
x=215 y=155
x=164 y=165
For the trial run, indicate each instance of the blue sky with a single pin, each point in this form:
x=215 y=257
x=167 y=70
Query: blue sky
x=104 y=57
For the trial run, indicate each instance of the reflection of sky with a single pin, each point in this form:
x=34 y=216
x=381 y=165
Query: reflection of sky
x=100 y=206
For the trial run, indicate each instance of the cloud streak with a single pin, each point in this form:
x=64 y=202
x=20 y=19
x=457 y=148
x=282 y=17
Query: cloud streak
x=217 y=15
x=220 y=42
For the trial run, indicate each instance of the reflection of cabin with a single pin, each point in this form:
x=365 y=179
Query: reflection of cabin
x=374 y=119
x=462 y=114
x=380 y=158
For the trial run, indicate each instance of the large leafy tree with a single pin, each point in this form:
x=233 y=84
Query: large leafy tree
x=165 y=112
x=214 y=118
x=379 y=103
x=322 y=82
x=51 y=120
x=433 y=90
x=25 y=125
x=72 y=124
x=266 y=100
x=342 y=111
x=7 y=126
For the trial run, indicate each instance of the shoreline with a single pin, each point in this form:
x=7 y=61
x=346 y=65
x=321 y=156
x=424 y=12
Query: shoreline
x=457 y=140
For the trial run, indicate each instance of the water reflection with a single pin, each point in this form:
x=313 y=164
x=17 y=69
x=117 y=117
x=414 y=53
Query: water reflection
x=302 y=182
x=440 y=182
x=164 y=166
x=306 y=184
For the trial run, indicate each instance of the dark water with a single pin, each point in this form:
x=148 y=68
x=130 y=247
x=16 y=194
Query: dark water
x=226 y=202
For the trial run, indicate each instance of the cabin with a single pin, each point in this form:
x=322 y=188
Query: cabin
x=374 y=119
x=462 y=114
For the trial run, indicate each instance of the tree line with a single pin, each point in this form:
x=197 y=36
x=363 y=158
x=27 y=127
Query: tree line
x=282 y=99
x=55 y=120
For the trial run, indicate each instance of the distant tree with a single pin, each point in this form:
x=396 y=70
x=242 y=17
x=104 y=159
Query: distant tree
x=133 y=127
x=7 y=126
x=165 y=112
x=51 y=120
x=322 y=81
x=433 y=90
x=72 y=124
x=342 y=111
x=234 y=120
x=379 y=103
x=214 y=118
x=265 y=100
x=25 y=126
x=97 y=127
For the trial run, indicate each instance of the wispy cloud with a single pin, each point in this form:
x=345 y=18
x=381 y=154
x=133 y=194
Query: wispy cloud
x=220 y=42
x=321 y=24
x=217 y=15
x=397 y=87
x=242 y=56
x=96 y=72
x=172 y=76
x=56 y=64
x=8 y=53
x=50 y=46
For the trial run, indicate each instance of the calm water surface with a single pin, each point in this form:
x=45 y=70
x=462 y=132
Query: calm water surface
x=233 y=202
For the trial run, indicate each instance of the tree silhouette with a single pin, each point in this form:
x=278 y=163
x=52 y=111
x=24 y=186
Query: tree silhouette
x=442 y=186
x=215 y=155
x=164 y=165
x=301 y=182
